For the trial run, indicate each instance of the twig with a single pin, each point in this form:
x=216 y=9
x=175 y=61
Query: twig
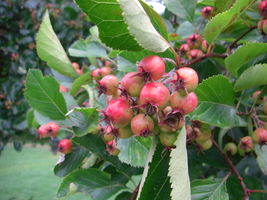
x=135 y=192
x=260 y=191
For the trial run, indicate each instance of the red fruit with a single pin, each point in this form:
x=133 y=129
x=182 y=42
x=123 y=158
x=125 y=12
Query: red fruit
x=96 y=74
x=108 y=85
x=204 y=45
x=65 y=146
x=246 y=144
x=263 y=8
x=260 y=136
x=206 y=12
x=262 y=26
x=62 y=88
x=171 y=121
x=42 y=131
x=75 y=65
x=194 y=41
x=154 y=94
x=185 y=103
x=152 y=67
x=142 y=125
x=52 y=129
x=105 y=71
x=195 y=54
x=107 y=63
x=119 y=112
x=79 y=71
x=185 y=78
x=132 y=82
x=184 y=49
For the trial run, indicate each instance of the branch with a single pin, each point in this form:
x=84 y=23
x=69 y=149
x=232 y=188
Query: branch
x=135 y=192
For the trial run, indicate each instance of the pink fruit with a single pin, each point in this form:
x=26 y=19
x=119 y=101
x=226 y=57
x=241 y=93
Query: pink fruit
x=262 y=26
x=246 y=144
x=171 y=120
x=105 y=71
x=132 y=83
x=42 y=131
x=195 y=54
x=185 y=78
x=263 y=8
x=185 y=103
x=154 y=94
x=108 y=85
x=79 y=71
x=62 y=88
x=65 y=146
x=255 y=97
x=260 y=136
x=204 y=45
x=52 y=129
x=75 y=65
x=112 y=148
x=142 y=125
x=206 y=12
x=184 y=49
x=96 y=74
x=152 y=67
x=119 y=112
x=194 y=41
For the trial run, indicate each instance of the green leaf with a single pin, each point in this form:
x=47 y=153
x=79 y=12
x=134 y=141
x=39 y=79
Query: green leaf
x=134 y=150
x=222 y=5
x=223 y=20
x=155 y=183
x=209 y=189
x=83 y=48
x=243 y=55
x=71 y=161
x=78 y=82
x=182 y=8
x=113 y=31
x=50 y=50
x=87 y=124
x=145 y=33
x=178 y=169
x=215 y=114
x=217 y=89
x=252 y=77
x=43 y=95
x=261 y=157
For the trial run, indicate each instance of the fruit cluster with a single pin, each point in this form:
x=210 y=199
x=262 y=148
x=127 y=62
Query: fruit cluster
x=146 y=102
x=262 y=24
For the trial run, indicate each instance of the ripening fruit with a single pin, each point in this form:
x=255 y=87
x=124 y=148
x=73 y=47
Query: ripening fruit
x=245 y=145
x=119 y=112
x=75 y=65
x=107 y=137
x=206 y=12
x=171 y=121
x=230 y=148
x=62 y=88
x=263 y=8
x=65 y=146
x=79 y=71
x=96 y=73
x=204 y=45
x=52 y=129
x=194 y=41
x=255 y=97
x=42 y=131
x=155 y=94
x=124 y=132
x=202 y=136
x=205 y=145
x=152 y=66
x=265 y=107
x=142 y=125
x=112 y=149
x=132 y=82
x=104 y=71
x=186 y=78
x=185 y=103
x=184 y=49
x=167 y=139
x=108 y=85
x=262 y=26
x=195 y=54
x=260 y=136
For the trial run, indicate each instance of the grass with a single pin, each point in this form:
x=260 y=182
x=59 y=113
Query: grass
x=28 y=175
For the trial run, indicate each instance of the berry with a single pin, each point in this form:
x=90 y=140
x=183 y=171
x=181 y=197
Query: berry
x=112 y=149
x=263 y=8
x=205 y=145
x=42 y=131
x=206 y=12
x=260 y=136
x=108 y=85
x=202 y=137
x=125 y=132
x=154 y=95
x=62 y=88
x=171 y=120
x=167 y=139
x=142 y=125
x=255 y=97
x=79 y=71
x=104 y=71
x=184 y=103
x=75 y=65
x=65 y=146
x=204 y=45
x=262 y=26
x=119 y=112
x=132 y=83
x=152 y=67
x=245 y=145
x=230 y=148
x=195 y=54
x=184 y=49
x=185 y=78
x=96 y=74
x=52 y=129
x=194 y=41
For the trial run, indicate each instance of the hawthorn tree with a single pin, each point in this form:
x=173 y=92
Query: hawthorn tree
x=170 y=107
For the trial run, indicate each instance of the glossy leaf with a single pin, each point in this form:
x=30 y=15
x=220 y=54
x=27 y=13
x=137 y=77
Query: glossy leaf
x=208 y=189
x=155 y=182
x=83 y=48
x=223 y=20
x=43 y=95
x=71 y=161
x=178 y=169
x=222 y=5
x=182 y=8
x=261 y=157
x=134 y=150
x=243 y=55
x=50 y=50
x=252 y=77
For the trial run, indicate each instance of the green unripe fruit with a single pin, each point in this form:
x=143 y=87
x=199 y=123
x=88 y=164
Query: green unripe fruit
x=205 y=145
x=167 y=139
x=230 y=148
